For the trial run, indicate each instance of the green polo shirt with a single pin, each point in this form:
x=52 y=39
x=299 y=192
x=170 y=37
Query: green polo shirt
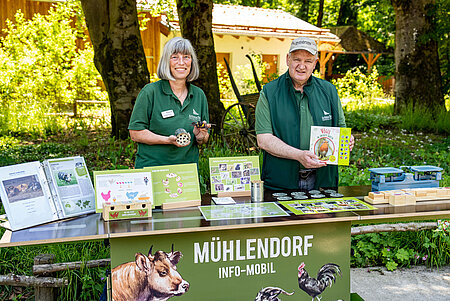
x=263 y=123
x=158 y=109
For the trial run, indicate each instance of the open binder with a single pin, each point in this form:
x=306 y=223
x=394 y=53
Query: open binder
x=35 y=193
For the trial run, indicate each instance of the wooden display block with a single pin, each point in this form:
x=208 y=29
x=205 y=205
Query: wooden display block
x=127 y=210
x=401 y=198
x=181 y=204
x=377 y=197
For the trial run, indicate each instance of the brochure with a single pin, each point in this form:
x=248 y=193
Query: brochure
x=330 y=144
x=35 y=193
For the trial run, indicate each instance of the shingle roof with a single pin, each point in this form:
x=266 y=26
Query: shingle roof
x=255 y=21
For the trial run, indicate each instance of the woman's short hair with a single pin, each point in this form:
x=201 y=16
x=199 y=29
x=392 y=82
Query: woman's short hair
x=177 y=45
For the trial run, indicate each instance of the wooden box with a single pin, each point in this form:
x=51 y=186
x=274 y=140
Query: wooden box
x=127 y=210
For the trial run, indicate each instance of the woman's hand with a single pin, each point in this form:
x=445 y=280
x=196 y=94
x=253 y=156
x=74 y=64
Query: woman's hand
x=173 y=140
x=201 y=132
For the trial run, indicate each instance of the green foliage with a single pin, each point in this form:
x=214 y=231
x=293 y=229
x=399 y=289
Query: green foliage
x=42 y=72
x=362 y=89
x=85 y=284
x=400 y=249
x=422 y=118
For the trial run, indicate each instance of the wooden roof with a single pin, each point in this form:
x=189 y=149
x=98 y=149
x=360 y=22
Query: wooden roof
x=357 y=41
x=260 y=22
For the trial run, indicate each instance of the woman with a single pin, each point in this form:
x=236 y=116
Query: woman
x=167 y=105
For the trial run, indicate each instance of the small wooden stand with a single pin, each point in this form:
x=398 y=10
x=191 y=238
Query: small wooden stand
x=127 y=210
x=221 y=194
x=182 y=204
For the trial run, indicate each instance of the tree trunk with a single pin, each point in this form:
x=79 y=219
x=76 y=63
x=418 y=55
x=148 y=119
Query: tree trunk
x=119 y=55
x=417 y=74
x=320 y=14
x=196 y=26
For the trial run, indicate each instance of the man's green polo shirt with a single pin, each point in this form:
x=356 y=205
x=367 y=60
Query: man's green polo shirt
x=158 y=109
x=263 y=123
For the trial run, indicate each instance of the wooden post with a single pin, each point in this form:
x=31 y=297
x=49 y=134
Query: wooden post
x=75 y=108
x=323 y=59
x=44 y=293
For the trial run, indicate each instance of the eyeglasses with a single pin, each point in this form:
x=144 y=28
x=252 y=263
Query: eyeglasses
x=178 y=56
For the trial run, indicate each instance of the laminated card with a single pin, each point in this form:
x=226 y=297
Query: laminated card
x=231 y=176
x=175 y=185
x=35 y=193
x=330 y=144
x=118 y=187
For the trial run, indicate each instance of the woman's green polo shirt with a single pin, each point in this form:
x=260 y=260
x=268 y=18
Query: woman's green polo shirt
x=158 y=109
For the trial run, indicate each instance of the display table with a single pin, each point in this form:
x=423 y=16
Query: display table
x=231 y=259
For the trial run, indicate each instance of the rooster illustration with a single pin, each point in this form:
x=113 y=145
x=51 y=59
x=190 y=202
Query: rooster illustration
x=271 y=294
x=325 y=278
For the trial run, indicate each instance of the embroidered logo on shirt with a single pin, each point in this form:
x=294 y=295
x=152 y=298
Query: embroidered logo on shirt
x=194 y=112
x=326 y=116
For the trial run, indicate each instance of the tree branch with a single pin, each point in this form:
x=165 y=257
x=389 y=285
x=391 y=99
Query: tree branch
x=400 y=227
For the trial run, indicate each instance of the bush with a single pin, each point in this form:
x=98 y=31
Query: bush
x=42 y=71
x=359 y=89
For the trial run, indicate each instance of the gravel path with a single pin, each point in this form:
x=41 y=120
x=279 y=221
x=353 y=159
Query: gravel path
x=413 y=284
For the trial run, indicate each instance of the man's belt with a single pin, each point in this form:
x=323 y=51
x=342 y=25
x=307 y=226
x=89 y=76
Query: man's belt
x=305 y=173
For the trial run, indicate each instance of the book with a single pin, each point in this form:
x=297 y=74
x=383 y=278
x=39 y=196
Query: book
x=331 y=144
x=35 y=193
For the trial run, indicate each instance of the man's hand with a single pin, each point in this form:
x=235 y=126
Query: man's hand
x=310 y=160
x=351 y=143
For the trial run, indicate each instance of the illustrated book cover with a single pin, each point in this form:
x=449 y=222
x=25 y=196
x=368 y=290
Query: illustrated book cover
x=331 y=144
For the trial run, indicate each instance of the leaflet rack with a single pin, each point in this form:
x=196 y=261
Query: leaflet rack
x=390 y=178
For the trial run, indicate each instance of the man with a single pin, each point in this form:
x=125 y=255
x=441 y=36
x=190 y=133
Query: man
x=287 y=108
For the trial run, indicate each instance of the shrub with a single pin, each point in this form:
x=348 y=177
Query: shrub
x=42 y=71
x=359 y=90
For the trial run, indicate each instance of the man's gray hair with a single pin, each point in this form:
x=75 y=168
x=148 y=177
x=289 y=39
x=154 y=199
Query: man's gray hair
x=173 y=46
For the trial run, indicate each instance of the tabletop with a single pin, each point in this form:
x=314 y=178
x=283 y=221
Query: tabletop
x=190 y=219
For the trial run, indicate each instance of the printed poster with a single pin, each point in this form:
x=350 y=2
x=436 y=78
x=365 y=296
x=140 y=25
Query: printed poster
x=331 y=144
x=239 y=211
x=330 y=205
x=233 y=174
x=174 y=183
x=121 y=186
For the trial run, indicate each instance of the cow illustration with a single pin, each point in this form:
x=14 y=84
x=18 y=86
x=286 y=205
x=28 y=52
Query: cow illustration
x=149 y=278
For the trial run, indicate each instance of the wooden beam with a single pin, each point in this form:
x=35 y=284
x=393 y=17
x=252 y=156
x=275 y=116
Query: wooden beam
x=370 y=60
x=236 y=37
x=266 y=38
x=323 y=59
x=220 y=35
x=281 y=39
x=251 y=38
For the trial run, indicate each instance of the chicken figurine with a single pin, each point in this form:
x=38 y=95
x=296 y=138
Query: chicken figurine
x=325 y=278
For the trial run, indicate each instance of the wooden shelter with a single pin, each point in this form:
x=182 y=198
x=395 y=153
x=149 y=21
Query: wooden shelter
x=354 y=41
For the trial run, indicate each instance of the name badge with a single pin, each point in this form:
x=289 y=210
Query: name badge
x=167 y=114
